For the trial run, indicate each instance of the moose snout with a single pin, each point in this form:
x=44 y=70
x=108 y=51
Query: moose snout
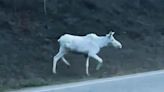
x=119 y=46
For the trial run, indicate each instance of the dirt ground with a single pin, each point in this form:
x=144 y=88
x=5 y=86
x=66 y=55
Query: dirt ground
x=28 y=39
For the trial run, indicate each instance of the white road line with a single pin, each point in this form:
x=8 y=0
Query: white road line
x=110 y=81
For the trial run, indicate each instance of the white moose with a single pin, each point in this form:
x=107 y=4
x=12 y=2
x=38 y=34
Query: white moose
x=88 y=45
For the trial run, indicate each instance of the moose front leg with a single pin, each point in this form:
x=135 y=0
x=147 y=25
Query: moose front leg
x=99 y=60
x=87 y=66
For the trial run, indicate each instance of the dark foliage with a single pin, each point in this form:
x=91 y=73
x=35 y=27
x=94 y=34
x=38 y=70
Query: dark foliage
x=28 y=38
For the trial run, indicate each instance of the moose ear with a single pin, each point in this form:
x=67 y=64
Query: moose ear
x=110 y=33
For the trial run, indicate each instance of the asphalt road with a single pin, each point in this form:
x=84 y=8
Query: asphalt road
x=141 y=82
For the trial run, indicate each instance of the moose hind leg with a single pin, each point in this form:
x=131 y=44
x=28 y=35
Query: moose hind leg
x=56 y=59
x=65 y=61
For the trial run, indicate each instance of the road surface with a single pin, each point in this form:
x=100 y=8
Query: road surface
x=141 y=82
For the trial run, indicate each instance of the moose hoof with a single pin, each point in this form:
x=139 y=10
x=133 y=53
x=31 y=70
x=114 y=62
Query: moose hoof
x=88 y=74
x=54 y=71
x=98 y=66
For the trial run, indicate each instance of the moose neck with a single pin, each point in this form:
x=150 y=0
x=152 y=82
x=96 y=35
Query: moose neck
x=103 y=41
